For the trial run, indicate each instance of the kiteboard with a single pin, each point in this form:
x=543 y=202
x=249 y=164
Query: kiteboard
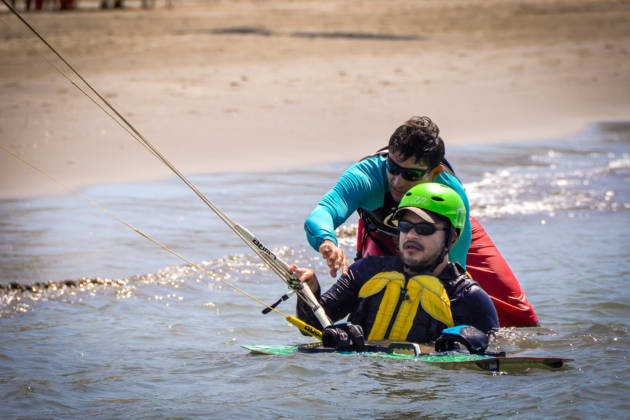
x=408 y=351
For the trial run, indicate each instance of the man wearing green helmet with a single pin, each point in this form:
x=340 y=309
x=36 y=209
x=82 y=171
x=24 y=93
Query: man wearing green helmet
x=433 y=203
x=415 y=295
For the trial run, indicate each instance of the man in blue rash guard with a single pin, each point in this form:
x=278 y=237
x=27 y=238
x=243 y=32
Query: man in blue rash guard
x=376 y=184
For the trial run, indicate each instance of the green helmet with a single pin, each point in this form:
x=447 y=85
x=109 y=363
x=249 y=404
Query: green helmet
x=436 y=198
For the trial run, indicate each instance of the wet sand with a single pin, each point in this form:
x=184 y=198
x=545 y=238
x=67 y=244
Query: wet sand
x=245 y=85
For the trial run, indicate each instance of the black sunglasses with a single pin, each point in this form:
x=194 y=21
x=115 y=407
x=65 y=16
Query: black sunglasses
x=406 y=173
x=424 y=229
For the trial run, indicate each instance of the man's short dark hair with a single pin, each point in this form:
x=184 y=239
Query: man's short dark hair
x=419 y=137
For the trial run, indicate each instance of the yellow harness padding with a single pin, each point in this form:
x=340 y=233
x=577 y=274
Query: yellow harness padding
x=425 y=291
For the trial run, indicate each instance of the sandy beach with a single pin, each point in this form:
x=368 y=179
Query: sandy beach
x=244 y=85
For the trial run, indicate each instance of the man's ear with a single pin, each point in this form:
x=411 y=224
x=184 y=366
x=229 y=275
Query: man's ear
x=454 y=237
x=435 y=172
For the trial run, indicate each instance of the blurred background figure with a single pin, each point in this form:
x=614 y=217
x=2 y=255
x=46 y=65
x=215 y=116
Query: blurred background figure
x=119 y=4
x=108 y=4
x=150 y=4
x=40 y=5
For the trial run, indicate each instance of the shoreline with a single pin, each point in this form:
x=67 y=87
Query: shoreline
x=59 y=191
x=486 y=71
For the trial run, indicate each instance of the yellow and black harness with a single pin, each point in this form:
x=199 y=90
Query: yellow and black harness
x=403 y=301
x=389 y=304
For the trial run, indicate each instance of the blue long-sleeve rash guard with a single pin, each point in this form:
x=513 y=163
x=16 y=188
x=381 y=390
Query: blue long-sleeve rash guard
x=364 y=185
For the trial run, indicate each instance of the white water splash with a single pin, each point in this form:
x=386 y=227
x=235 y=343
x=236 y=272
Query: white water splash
x=569 y=184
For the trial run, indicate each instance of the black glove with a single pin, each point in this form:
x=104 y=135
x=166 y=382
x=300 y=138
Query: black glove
x=476 y=341
x=344 y=336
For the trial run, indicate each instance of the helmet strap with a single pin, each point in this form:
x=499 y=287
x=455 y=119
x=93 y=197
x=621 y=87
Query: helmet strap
x=445 y=250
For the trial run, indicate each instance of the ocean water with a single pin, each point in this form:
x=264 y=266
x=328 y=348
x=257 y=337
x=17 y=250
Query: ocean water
x=103 y=323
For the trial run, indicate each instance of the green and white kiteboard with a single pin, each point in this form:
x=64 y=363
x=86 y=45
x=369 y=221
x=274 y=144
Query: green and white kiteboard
x=409 y=351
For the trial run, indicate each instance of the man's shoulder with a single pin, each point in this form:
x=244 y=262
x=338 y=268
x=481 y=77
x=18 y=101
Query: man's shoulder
x=469 y=302
x=457 y=280
x=371 y=166
x=454 y=271
x=365 y=177
x=449 y=180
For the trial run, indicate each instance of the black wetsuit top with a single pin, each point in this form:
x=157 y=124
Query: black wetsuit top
x=469 y=304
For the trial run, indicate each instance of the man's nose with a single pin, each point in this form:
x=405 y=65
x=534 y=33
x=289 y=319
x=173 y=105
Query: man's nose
x=412 y=234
